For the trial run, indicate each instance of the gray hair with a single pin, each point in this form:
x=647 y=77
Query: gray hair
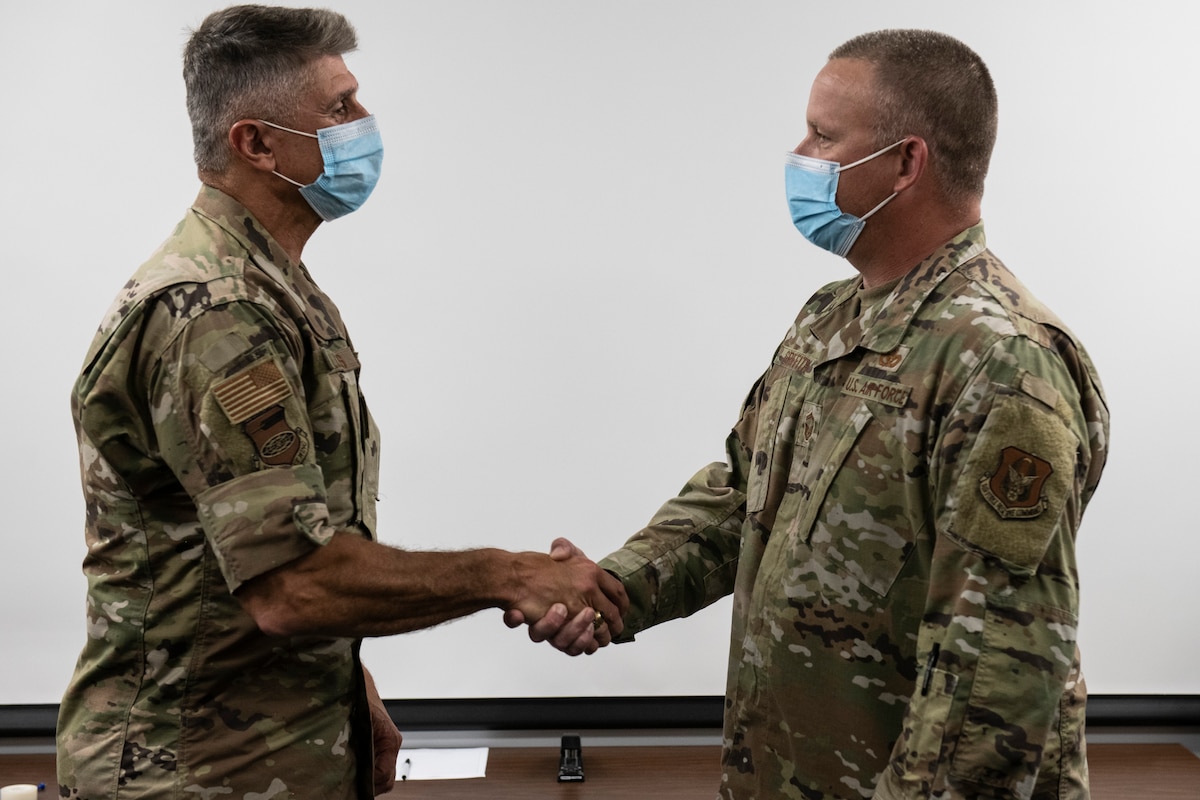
x=932 y=85
x=253 y=62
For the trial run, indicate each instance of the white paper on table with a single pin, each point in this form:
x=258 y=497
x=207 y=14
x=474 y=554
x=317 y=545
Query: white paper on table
x=436 y=764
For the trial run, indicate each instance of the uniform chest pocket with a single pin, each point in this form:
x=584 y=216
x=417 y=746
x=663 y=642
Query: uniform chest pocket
x=850 y=508
x=342 y=433
x=331 y=361
x=773 y=431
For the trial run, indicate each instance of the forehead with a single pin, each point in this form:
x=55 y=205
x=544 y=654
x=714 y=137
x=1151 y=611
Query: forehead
x=843 y=94
x=331 y=78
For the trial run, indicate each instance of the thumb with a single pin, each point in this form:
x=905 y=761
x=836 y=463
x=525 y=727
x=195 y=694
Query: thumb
x=561 y=549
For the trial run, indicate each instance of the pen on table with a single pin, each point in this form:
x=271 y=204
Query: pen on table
x=405 y=768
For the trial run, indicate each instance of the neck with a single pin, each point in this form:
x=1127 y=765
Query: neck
x=284 y=214
x=896 y=246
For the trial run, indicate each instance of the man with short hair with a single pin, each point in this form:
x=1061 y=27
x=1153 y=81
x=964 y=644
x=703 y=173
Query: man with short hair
x=230 y=467
x=897 y=517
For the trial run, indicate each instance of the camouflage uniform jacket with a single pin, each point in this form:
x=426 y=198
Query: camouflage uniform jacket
x=221 y=434
x=897 y=523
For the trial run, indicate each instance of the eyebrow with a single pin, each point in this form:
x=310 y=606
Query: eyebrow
x=344 y=96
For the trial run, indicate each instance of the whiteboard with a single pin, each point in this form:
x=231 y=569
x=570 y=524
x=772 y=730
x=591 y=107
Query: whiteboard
x=577 y=262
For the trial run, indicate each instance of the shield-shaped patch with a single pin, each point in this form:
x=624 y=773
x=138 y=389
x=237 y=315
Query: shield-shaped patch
x=1014 y=490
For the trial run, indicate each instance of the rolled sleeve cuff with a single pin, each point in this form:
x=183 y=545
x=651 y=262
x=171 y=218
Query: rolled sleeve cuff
x=263 y=520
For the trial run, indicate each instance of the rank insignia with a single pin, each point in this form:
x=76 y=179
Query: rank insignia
x=890 y=361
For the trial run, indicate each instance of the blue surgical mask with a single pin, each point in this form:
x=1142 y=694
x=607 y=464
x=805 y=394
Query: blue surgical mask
x=812 y=198
x=353 y=156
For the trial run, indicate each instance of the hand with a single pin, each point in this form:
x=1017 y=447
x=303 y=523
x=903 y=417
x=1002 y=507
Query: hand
x=577 y=633
x=387 y=739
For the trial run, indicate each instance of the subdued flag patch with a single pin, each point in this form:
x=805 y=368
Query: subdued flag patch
x=252 y=391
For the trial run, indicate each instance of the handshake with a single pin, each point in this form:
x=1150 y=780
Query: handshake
x=569 y=601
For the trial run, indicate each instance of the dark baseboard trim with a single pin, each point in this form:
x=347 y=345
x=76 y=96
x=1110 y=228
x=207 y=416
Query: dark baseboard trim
x=633 y=713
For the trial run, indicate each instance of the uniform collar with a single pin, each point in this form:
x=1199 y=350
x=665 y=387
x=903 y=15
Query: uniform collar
x=237 y=221
x=881 y=326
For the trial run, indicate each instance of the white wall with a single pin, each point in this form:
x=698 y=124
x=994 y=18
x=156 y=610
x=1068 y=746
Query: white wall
x=578 y=260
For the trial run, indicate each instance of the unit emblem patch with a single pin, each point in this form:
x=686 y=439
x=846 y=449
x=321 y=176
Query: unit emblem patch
x=1014 y=489
x=276 y=442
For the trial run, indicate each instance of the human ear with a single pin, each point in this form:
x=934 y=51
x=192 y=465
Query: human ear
x=247 y=140
x=914 y=157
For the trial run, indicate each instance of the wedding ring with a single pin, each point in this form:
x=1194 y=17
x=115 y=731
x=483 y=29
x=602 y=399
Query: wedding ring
x=598 y=620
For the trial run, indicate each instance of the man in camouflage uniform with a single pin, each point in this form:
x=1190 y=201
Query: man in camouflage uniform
x=897 y=517
x=230 y=468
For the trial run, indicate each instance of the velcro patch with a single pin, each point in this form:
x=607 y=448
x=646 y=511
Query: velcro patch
x=252 y=391
x=1016 y=482
x=793 y=359
x=341 y=358
x=1036 y=387
x=887 y=392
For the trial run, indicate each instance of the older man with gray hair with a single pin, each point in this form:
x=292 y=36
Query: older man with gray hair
x=230 y=467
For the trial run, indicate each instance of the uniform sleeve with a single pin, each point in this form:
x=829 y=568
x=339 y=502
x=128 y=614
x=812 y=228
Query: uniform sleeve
x=231 y=417
x=996 y=649
x=686 y=557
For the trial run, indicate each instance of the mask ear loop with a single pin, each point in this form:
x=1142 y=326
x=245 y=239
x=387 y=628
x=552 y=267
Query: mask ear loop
x=301 y=185
x=867 y=215
x=876 y=154
x=289 y=130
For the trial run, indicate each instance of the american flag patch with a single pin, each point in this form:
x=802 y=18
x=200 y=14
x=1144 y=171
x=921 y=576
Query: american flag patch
x=251 y=391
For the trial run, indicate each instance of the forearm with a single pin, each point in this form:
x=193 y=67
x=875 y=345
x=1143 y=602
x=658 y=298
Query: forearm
x=355 y=587
x=686 y=558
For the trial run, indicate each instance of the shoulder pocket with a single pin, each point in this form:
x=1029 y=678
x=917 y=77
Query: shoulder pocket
x=1013 y=489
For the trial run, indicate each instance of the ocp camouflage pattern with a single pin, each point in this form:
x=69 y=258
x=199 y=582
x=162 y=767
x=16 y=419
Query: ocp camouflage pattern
x=222 y=434
x=897 y=524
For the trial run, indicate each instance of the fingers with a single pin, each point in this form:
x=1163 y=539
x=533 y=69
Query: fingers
x=550 y=624
x=561 y=596
x=384 y=775
x=611 y=602
x=578 y=635
x=572 y=635
x=386 y=739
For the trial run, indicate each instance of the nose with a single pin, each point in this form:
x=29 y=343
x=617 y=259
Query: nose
x=802 y=147
x=358 y=111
